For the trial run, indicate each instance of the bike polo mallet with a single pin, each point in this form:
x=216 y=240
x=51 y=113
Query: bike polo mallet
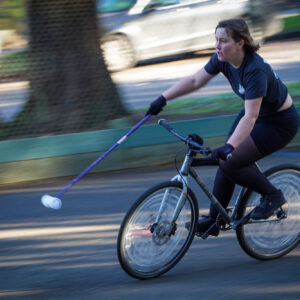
x=55 y=202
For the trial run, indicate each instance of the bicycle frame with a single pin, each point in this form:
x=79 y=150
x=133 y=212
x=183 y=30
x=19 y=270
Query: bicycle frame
x=186 y=170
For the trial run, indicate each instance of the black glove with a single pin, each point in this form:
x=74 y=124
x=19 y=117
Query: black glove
x=222 y=152
x=156 y=106
x=196 y=138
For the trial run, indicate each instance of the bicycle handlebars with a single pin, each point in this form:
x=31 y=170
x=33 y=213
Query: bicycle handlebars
x=187 y=140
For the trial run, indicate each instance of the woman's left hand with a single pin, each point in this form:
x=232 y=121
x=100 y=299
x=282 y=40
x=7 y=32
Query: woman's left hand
x=222 y=152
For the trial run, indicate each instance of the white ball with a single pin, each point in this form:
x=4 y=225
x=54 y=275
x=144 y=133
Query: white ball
x=51 y=202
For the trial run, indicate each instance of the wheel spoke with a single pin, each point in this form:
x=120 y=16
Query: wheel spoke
x=277 y=235
x=145 y=247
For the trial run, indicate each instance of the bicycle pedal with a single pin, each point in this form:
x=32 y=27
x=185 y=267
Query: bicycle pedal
x=213 y=230
x=203 y=236
x=281 y=213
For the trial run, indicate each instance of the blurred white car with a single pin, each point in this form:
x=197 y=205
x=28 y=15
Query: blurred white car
x=137 y=30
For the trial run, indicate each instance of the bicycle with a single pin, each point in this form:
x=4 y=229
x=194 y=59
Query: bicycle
x=153 y=236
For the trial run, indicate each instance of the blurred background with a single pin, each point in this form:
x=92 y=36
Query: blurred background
x=72 y=66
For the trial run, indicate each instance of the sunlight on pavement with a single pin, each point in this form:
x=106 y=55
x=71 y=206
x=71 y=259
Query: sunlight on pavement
x=59 y=244
x=278 y=53
x=20 y=293
x=274 y=289
x=34 y=232
x=13 y=95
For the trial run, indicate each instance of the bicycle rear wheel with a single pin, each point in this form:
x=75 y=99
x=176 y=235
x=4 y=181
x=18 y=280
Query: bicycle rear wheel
x=144 y=249
x=278 y=235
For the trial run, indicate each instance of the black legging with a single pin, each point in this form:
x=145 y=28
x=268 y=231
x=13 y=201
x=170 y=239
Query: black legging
x=240 y=169
x=269 y=134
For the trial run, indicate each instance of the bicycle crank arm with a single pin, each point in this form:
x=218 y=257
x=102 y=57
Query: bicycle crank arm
x=242 y=221
x=247 y=219
x=207 y=232
x=267 y=220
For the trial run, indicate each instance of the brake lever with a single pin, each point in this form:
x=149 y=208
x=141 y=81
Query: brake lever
x=192 y=144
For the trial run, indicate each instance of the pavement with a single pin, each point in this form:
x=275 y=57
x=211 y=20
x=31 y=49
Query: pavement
x=72 y=253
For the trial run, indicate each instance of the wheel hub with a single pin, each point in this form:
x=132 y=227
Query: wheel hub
x=159 y=232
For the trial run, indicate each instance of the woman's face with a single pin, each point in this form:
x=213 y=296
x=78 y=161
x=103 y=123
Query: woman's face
x=227 y=49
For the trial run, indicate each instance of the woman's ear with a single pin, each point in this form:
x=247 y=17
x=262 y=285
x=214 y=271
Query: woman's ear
x=241 y=43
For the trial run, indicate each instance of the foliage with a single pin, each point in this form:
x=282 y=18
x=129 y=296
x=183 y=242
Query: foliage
x=11 y=13
x=291 y=23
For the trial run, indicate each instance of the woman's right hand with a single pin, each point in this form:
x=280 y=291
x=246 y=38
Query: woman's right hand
x=156 y=106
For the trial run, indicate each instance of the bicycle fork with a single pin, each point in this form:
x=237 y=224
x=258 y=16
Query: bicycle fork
x=182 y=177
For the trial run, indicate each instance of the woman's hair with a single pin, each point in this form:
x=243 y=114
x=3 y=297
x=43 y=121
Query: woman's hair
x=239 y=30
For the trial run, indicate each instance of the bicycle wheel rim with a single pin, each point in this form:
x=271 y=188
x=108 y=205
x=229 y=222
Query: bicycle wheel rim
x=268 y=240
x=144 y=254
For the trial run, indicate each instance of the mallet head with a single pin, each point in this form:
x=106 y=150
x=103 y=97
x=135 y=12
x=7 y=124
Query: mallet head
x=51 y=202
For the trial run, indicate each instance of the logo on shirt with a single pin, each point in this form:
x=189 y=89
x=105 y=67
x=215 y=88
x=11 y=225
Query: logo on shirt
x=241 y=89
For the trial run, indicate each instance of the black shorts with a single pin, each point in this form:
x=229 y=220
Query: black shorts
x=273 y=132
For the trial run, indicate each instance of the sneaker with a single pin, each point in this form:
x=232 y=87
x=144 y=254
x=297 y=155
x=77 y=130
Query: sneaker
x=205 y=224
x=268 y=204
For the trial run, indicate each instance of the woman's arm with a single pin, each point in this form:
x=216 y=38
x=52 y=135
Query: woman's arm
x=245 y=125
x=182 y=87
x=188 y=84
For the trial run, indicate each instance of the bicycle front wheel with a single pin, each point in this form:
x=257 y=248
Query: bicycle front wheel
x=147 y=247
x=278 y=235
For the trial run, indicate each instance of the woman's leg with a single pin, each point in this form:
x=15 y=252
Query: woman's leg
x=222 y=190
x=240 y=169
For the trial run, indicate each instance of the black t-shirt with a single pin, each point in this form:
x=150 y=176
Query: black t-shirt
x=254 y=78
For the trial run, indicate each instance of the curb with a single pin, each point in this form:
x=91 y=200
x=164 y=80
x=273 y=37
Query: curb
x=69 y=154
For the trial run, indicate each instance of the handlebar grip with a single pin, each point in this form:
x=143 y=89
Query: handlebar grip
x=165 y=124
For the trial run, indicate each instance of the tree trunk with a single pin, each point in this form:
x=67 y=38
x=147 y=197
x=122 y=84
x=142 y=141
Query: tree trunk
x=70 y=87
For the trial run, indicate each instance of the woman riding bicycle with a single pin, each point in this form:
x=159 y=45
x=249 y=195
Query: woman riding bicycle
x=267 y=123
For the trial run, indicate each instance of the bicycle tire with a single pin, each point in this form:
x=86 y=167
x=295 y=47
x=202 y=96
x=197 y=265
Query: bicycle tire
x=144 y=254
x=271 y=240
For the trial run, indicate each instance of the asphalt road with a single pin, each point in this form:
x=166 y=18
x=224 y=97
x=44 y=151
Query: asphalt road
x=141 y=85
x=71 y=253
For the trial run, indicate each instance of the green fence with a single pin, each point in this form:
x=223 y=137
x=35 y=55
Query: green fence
x=68 y=154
